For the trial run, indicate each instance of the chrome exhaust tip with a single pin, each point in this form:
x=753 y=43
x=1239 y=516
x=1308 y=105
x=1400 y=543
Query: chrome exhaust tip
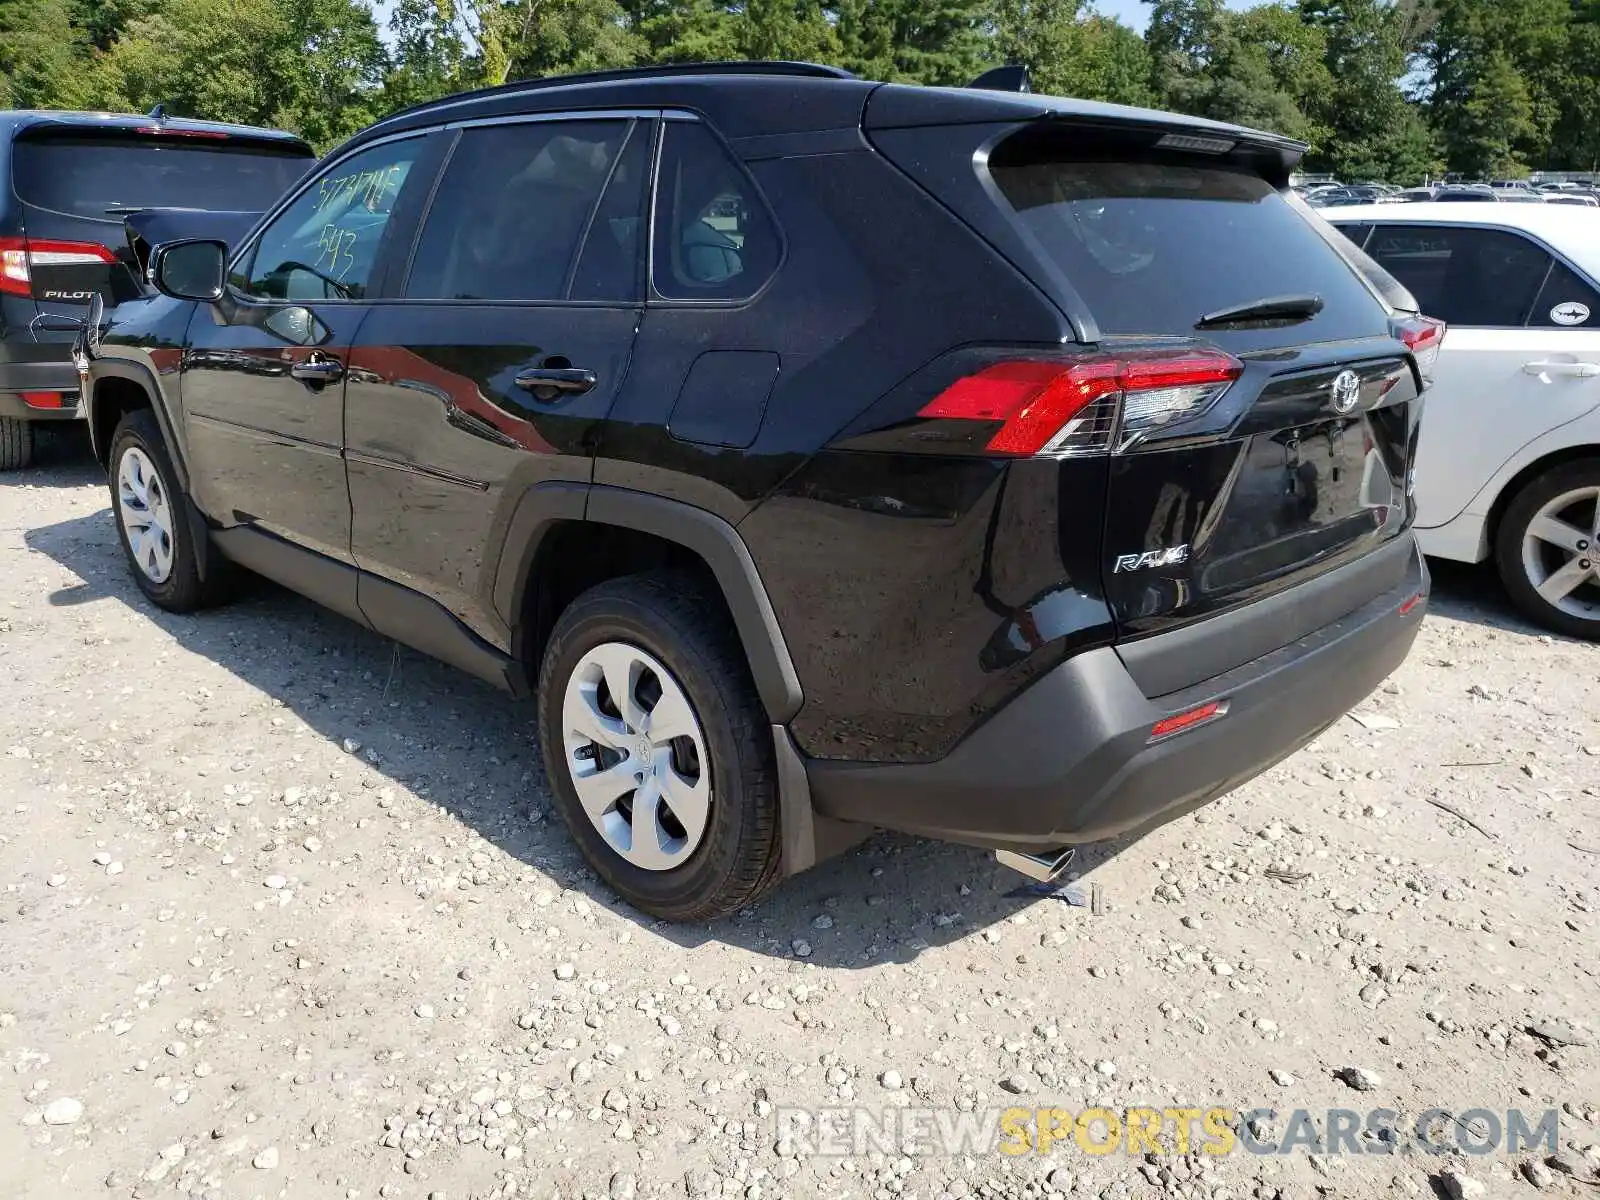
x=1043 y=867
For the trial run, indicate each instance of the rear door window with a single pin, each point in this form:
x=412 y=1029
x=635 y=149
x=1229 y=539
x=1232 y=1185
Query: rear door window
x=1153 y=245
x=1464 y=276
x=714 y=238
x=514 y=208
x=101 y=176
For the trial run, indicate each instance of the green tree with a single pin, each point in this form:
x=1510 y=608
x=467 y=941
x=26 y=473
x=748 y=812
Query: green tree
x=1575 y=141
x=312 y=66
x=1069 y=52
x=1113 y=63
x=920 y=41
x=1501 y=78
x=1370 y=130
x=1259 y=68
x=41 y=55
x=683 y=30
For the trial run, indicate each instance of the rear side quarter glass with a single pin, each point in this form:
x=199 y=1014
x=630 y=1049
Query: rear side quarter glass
x=714 y=238
x=1153 y=241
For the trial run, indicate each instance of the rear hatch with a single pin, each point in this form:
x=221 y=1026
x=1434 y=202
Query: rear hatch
x=77 y=183
x=1260 y=419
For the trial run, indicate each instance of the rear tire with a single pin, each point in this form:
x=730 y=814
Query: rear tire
x=16 y=443
x=1547 y=549
x=670 y=643
x=151 y=515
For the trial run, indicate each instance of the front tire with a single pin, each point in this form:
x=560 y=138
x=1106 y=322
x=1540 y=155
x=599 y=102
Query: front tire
x=16 y=443
x=1548 y=549
x=657 y=749
x=151 y=516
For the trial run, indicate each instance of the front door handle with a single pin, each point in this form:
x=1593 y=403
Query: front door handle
x=547 y=382
x=318 y=370
x=1579 y=370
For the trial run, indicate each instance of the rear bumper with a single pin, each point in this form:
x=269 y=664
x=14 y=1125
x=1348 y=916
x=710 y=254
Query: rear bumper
x=48 y=376
x=1071 y=760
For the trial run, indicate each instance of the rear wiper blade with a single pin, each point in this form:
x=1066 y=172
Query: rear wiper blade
x=1268 y=308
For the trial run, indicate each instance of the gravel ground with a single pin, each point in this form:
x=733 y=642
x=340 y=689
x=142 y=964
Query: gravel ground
x=286 y=914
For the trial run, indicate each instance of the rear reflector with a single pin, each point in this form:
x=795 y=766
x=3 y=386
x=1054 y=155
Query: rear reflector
x=1412 y=603
x=1087 y=405
x=1188 y=720
x=42 y=399
x=18 y=257
x=1423 y=336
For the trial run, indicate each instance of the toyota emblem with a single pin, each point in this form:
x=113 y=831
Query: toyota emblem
x=1346 y=391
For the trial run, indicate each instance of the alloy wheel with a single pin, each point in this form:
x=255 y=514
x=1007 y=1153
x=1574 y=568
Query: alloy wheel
x=145 y=509
x=1561 y=553
x=636 y=754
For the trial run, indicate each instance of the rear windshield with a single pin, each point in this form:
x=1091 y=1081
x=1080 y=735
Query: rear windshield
x=98 y=177
x=1153 y=246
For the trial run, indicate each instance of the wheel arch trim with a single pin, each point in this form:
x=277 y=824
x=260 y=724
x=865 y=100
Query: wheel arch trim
x=708 y=536
x=145 y=380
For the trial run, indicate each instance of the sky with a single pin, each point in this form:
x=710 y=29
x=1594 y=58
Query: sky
x=1129 y=12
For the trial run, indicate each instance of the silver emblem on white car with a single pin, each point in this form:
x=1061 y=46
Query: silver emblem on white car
x=1168 y=557
x=1346 y=391
x=1570 y=313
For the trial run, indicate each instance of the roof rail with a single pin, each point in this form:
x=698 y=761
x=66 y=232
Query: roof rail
x=656 y=71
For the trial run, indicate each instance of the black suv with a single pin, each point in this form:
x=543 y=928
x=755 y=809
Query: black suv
x=822 y=454
x=67 y=180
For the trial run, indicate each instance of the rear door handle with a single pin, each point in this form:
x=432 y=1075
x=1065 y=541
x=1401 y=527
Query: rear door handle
x=1580 y=370
x=317 y=370
x=571 y=381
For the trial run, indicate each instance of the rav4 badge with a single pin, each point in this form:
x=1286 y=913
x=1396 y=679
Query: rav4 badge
x=1171 y=556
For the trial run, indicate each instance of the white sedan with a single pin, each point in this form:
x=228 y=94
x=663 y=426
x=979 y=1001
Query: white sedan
x=1509 y=462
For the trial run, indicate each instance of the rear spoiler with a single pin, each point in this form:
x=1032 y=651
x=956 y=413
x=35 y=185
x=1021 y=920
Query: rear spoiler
x=148 y=228
x=993 y=99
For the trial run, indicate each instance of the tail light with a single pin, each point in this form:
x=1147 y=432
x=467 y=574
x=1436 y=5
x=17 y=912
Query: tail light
x=1423 y=336
x=42 y=399
x=18 y=257
x=1090 y=404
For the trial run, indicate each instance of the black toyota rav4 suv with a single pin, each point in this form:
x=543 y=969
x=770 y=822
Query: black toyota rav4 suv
x=67 y=180
x=822 y=454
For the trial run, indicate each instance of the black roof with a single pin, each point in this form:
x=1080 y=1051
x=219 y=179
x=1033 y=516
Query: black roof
x=753 y=99
x=14 y=121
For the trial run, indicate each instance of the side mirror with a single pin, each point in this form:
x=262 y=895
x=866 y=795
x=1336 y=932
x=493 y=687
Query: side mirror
x=192 y=270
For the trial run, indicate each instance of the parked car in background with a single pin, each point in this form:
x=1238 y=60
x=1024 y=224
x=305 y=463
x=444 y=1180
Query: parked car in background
x=1466 y=194
x=1340 y=197
x=1576 y=198
x=67 y=180
x=1509 y=466
x=823 y=454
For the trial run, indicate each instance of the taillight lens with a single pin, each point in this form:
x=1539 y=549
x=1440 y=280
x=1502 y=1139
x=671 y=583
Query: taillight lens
x=18 y=257
x=1423 y=336
x=1090 y=404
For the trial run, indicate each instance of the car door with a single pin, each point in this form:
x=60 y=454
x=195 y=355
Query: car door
x=1521 y=355
x=263 y=370
x=492 y=372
